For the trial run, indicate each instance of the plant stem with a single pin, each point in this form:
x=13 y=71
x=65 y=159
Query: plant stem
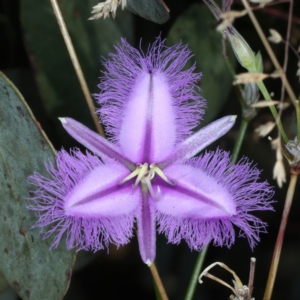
x=273 y=110
x=279 y=241
x=239 y=140
x=270 y=51
x=76 y=64
x=197 y=270
x=158 y=282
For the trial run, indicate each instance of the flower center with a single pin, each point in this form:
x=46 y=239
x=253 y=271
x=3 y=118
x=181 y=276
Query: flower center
x=144 y=174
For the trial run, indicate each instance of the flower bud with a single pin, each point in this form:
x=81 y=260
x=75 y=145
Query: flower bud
x=241 y=49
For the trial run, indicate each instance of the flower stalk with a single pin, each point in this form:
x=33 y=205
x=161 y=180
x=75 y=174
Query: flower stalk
x=158 y=282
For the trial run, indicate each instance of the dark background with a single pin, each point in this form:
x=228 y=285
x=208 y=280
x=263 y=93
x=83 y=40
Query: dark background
x=120 y=274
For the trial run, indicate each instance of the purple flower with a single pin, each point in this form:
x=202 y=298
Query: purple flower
x=146 y=172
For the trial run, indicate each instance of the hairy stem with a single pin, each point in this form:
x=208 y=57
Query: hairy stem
x=76 y=64
x=158 y=282
x=197 y=269
x=279 y=241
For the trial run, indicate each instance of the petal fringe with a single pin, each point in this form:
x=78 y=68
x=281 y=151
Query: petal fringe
x=241 y=182
x=48 y=203
x=125 y=68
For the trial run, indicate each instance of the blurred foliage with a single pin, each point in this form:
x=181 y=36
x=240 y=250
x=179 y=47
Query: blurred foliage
x=196 y=22
x=120 y=274
x=54 y=72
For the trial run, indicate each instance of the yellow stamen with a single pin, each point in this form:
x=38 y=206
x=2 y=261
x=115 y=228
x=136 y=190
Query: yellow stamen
x=142 y=172
x=131 y=175
x=161 y=174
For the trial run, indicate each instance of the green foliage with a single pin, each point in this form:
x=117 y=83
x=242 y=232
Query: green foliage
x=26 y=263
x=55 y=75
x=196 y=27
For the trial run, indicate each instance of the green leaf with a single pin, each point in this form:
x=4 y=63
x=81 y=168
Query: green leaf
x=29 y=267
x=153 y=10
x=196 y=27
x=55 y=75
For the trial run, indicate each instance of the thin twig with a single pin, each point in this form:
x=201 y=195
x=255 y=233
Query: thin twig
x=293 y=49
x=286 y=51
x=77 y=67
x=158 y=282
x=251 y=275
x=208 y=275
x=270 y=51
x=279 y=241
x=280 y=14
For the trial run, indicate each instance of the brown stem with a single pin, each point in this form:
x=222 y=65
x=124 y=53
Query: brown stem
x=279 y=241
x=158 y=282
x=251 y=275
x=77 y=67
x=286 y=50
x=270 y=51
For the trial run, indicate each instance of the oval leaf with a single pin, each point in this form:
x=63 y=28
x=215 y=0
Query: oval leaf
x=29 y=267
x=153 y=10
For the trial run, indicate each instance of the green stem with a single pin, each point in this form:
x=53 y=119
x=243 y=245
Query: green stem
x=297 y=105
x=239 y=140
x=194 y=279
x=240 y=88
x=273 y=110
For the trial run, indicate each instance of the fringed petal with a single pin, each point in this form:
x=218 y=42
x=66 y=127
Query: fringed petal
x=236 y=188
x=199 y=140
x=95 y=142
x=88 y=227
x=147 y=102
